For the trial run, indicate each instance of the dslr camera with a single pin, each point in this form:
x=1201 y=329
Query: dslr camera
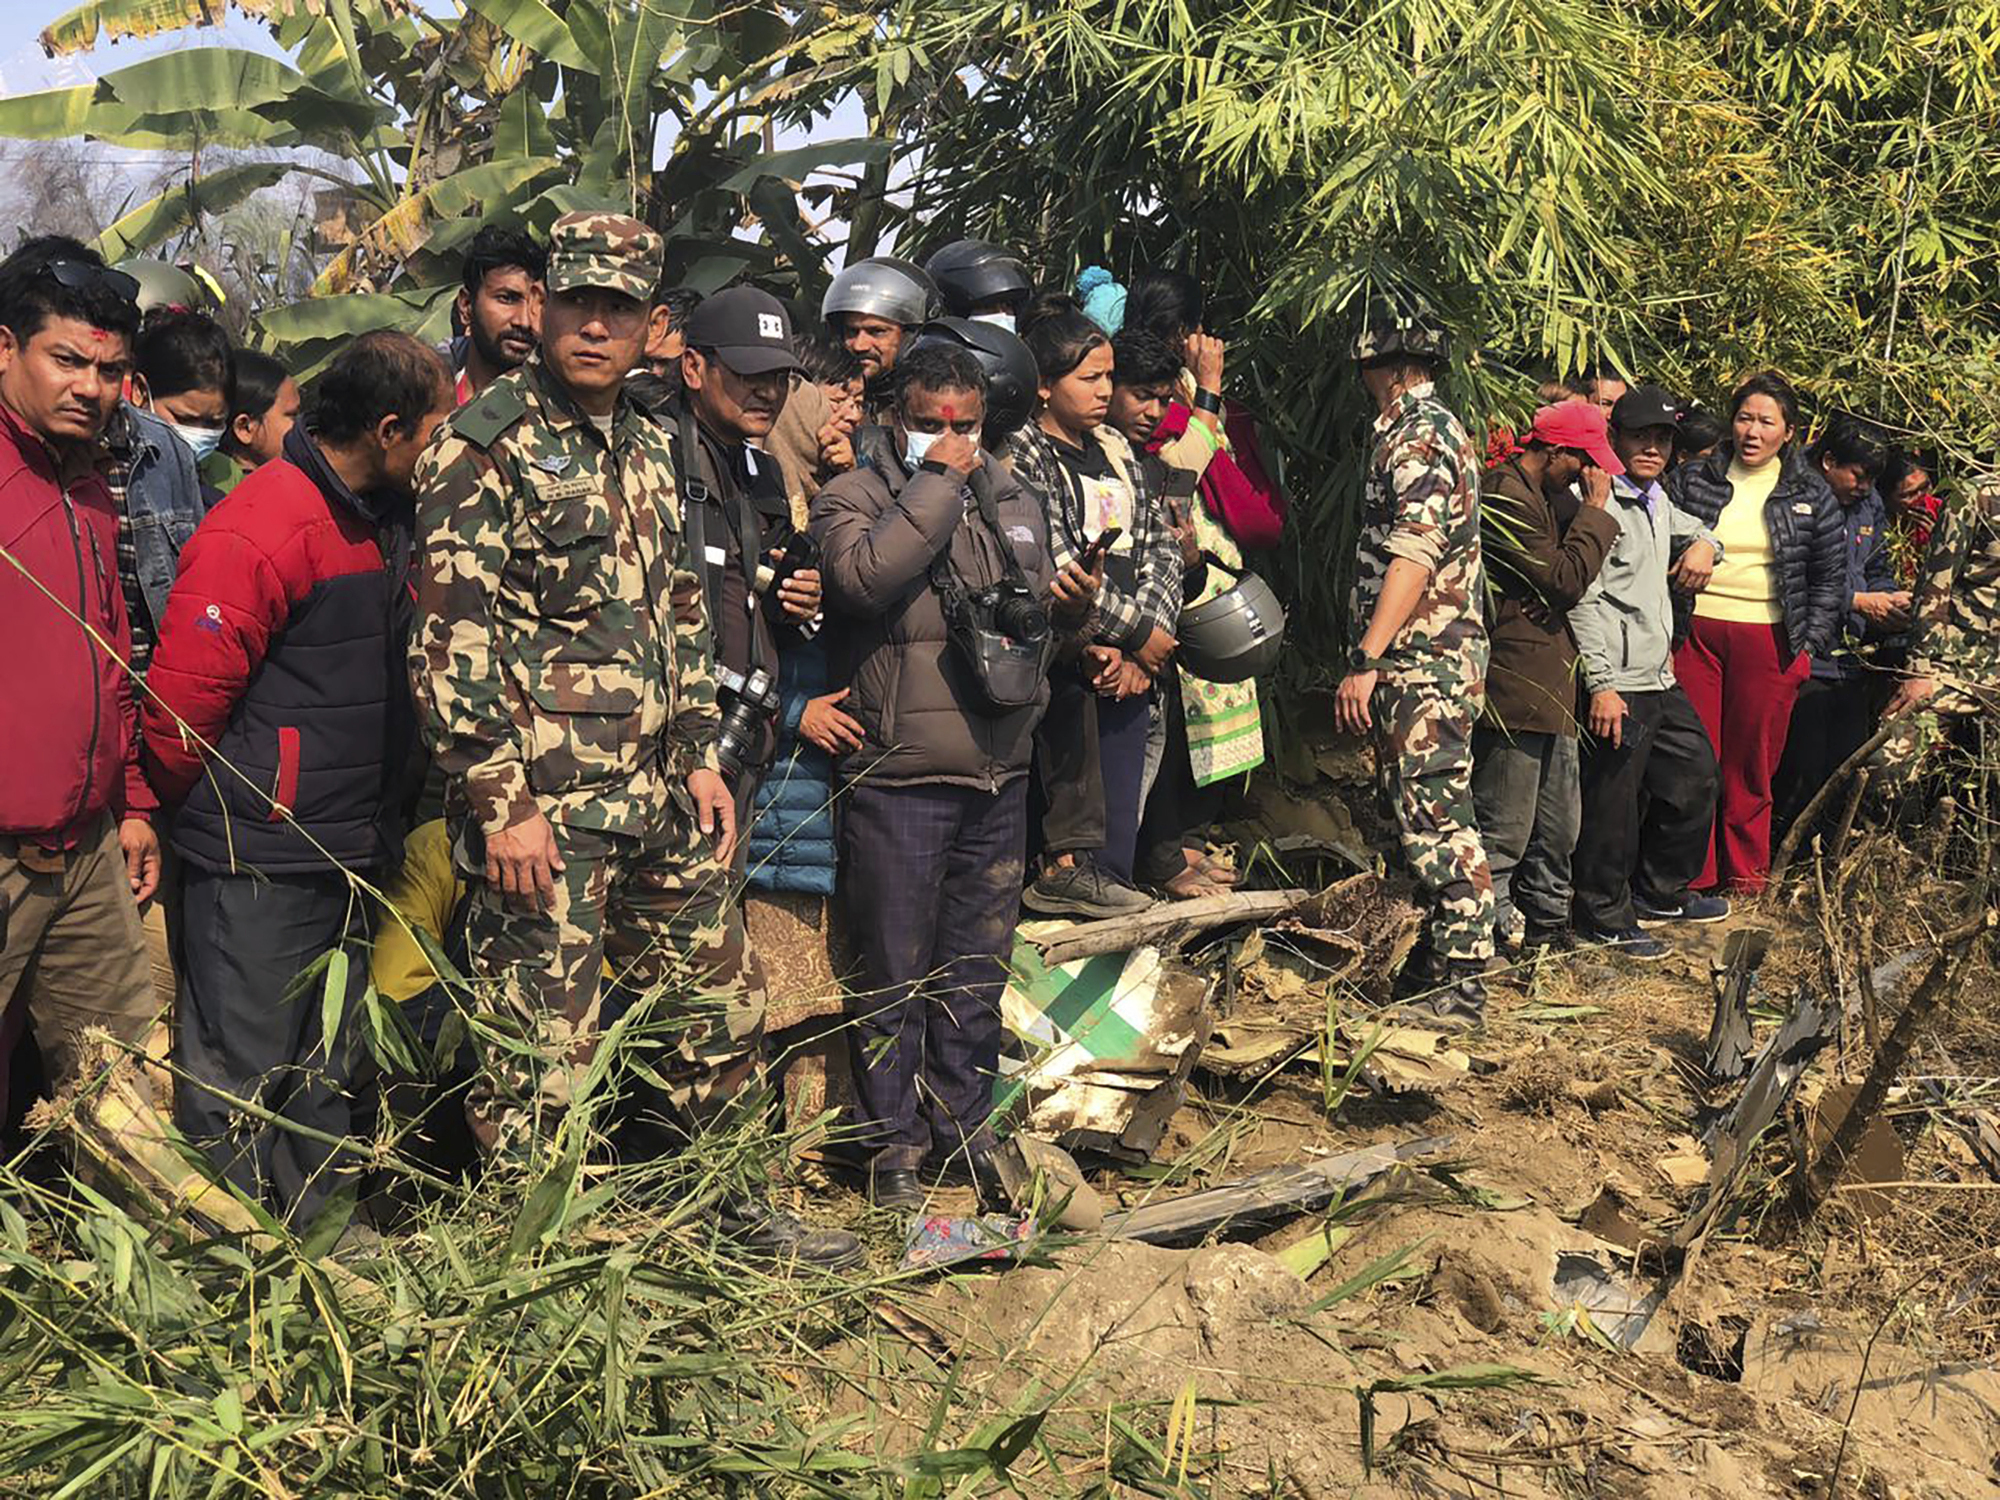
x=750 y=704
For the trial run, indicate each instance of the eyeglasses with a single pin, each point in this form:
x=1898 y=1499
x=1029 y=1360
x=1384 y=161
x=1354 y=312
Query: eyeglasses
x=81 y=275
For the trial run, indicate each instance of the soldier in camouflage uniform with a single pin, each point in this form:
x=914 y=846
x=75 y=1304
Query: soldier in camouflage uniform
x=562 y=660
x=1417 y=676
x=1954 y=668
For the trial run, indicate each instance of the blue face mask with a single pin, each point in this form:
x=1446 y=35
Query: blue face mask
x=1004 y=320
x=201 y=441
x=915 y=446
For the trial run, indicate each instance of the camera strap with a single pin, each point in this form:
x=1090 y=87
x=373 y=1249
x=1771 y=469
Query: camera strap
x=1006 y=673
x=944 y=579
x=737 y=514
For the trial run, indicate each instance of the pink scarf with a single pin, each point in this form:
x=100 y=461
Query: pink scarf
x=1237 y=488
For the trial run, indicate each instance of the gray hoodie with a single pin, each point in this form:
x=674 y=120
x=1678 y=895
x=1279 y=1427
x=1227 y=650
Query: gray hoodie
x=1624 y=624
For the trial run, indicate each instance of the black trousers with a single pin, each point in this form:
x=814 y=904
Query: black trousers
x=1648 y=804
x=1831 y=719
x=1178 y=813
x=243 y=941
x=932 y=879
x=1069 y=767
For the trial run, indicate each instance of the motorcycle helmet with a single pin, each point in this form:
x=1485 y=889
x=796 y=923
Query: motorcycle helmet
x=1011 y=381
x=883 y=287
x=1234 y=636
x=976 y=273
x=163 y=285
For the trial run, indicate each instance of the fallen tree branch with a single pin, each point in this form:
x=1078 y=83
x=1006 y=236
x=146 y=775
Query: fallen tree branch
x=1802 y=826
x=1167 y=925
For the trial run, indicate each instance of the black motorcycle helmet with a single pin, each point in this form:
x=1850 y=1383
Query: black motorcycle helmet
x=1012 y=383
x=977 y=273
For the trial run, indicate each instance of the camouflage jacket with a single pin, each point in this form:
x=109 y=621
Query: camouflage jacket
x=1420 y=501
x=561 y=655
x=1957 y=605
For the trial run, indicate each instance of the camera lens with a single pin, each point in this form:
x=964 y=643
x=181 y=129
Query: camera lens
x=1023 y=619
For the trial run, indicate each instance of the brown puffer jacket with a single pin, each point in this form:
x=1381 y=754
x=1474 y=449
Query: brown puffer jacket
x=1537 y=567
x=878 y=529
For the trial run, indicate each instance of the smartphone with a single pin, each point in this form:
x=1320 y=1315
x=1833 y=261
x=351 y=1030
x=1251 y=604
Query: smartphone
x=1102 y=544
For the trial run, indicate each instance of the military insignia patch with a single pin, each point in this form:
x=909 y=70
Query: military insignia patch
x=565 y=489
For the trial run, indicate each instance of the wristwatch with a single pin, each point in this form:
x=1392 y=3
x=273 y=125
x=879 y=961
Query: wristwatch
x=1359 y=660
x=1208 y=401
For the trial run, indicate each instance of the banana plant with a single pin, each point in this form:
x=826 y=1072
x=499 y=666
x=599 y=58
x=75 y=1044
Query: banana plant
x=441 y=120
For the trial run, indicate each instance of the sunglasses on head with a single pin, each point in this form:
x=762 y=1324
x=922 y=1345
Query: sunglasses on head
x=81 y=275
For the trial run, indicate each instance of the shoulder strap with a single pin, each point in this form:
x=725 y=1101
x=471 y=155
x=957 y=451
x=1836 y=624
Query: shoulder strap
x=988 y=505
x=694 y=498
x=498 y=408
x=738 y=514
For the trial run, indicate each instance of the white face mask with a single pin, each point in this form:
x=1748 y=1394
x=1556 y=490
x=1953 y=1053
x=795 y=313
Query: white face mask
x=1004 y=320
x=201 y=441
x=915 y=446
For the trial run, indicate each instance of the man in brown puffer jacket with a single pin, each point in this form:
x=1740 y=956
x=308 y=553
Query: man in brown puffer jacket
x=1543 y=547
x=934 y=806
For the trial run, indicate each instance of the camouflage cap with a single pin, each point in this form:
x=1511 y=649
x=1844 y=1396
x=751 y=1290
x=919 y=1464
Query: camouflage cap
x=1392 y=325
x=613 y=251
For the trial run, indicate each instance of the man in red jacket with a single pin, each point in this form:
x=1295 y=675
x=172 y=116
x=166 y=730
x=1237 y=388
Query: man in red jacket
x=281 y=722
x=77 y=852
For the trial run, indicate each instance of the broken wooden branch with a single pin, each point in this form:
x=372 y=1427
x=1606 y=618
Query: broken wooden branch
x=1802 y=826
x=1167 y=925
x=1264 y=1197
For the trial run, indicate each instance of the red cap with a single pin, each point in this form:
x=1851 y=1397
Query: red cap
x=1578 y=425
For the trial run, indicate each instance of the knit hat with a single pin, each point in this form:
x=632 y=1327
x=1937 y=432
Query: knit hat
x=1102 y=297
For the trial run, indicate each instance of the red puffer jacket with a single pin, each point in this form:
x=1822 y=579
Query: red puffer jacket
x=283 y=648
x=72 y=753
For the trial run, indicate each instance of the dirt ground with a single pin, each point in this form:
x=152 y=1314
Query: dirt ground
x=1579 y=1106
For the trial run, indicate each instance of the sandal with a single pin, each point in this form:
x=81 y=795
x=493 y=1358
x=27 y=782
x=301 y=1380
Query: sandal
x=1191 y=885
x=1213 y=870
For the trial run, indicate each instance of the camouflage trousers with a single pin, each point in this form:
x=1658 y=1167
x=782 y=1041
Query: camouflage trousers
x=1917 y=737
x=1423 y=755
x=649 y=925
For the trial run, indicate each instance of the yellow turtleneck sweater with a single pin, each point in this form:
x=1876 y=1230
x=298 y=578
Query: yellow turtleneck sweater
x=1745 y=587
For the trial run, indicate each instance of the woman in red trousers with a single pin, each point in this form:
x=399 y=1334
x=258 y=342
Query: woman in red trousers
x=1745 y=642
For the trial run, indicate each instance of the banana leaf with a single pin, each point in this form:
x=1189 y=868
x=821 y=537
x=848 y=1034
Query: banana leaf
x=535 y=26
x=154 y=222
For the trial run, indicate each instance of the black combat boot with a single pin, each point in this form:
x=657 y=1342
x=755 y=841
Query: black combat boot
x=764 y=1232
x=1443 y=994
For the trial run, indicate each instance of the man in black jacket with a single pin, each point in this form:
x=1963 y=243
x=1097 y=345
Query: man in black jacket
x=735 y=376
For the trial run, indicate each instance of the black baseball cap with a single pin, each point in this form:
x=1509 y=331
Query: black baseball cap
x=749 y=330
x=1645 y=406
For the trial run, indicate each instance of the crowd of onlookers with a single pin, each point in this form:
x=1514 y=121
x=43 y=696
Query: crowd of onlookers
x=627 y=606
x=1722 y=607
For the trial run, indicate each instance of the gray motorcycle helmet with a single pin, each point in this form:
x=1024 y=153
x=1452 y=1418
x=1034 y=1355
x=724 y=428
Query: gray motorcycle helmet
x=1236 y=635
x=883 y=287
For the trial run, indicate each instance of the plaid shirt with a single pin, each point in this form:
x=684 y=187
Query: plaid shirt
x=115 y=464
x=1121 y=618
